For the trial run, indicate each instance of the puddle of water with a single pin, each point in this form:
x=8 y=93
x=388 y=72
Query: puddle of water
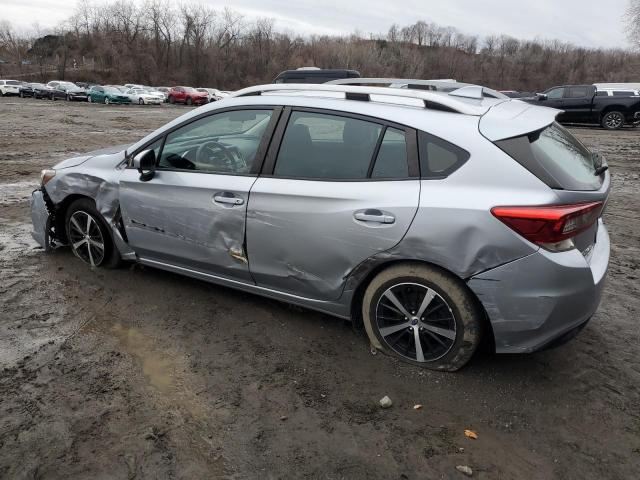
x=157 y=368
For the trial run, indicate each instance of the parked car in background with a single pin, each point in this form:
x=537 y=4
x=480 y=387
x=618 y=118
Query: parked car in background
x=213 y=93
x=314 y=75
x=313 y=197
x=155 y=91
x=26 y=90
x=164 y=90
x=517 y=94
x=580 y=104
x=129 y=86
x=9 y=87
x=188 y=96
x=141 y=96
x=62 y=90
x=107 y=95
x=40 y=90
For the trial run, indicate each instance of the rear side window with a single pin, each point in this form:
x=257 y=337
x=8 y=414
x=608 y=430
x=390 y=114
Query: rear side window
x=439 y=158
x=317 y=145
x=577 y=92
x=556 y=157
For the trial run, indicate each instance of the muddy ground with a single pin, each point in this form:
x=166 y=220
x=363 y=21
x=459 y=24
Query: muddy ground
x=139 y=373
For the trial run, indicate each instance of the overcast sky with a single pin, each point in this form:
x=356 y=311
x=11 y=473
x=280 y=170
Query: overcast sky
x=592 y=23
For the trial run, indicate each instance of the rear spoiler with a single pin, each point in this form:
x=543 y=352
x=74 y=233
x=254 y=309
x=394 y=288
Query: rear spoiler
x=514 y=119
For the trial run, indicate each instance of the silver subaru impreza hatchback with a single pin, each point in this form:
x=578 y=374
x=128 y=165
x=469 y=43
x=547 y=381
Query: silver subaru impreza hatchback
x=432 y=218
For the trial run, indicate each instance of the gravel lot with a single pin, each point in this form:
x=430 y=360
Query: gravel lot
x=139 y=373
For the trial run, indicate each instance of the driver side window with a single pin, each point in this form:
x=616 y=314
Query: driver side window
x=226 y=142
x=555 y=93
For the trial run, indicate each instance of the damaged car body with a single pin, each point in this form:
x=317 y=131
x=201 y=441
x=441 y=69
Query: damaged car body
x=433 y=218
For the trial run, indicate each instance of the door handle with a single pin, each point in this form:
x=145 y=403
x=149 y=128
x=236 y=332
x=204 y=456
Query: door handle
x=375 y=216
x=227 y=200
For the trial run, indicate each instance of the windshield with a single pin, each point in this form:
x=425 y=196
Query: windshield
x=111 y=90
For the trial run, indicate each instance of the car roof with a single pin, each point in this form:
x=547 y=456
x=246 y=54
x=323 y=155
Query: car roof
x=500 y=118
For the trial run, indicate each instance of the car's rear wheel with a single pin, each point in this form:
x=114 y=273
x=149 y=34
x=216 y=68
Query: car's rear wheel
x=89 y=236
x=423 y=316
x=613 y=120
x=189 y=101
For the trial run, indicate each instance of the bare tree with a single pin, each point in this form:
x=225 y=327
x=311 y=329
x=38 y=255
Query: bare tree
x=633 y=22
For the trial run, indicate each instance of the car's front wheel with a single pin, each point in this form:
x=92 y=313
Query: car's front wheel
x=89 y=236
x=423 y=316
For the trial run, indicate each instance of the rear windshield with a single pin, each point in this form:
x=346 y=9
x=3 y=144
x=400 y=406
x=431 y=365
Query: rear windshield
x=556 y=157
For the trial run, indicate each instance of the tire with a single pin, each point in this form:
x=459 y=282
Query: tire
x=452 y=310
x=171 y=100
x=68 y=98
x=21 y=95
x=140 y=101
x=53 y=97
x=613 y=120
x=106 y=100
x=189 y=101
x=83 y=212
x=89 y=99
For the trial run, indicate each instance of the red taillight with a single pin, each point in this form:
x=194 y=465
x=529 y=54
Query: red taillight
x=549 y=225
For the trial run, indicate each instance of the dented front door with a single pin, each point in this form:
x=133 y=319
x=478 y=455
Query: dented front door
x=189 y=219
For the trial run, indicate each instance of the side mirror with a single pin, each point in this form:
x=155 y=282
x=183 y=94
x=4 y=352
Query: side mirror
x=145 y=163
x=541 y=96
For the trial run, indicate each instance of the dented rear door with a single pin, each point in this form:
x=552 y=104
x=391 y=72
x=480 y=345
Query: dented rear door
x=338 y=188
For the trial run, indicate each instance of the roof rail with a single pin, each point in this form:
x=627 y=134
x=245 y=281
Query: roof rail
x=464 y=104
x=417 y=84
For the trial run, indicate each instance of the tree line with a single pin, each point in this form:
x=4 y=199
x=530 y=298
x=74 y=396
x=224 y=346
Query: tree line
x=163 y=43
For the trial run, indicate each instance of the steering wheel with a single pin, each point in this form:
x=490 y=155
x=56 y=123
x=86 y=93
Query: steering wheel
x=230 y=160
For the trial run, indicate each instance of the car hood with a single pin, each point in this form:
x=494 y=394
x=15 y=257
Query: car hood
x=79 y=160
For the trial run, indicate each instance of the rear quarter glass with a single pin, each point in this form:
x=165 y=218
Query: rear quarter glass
x=556 y=157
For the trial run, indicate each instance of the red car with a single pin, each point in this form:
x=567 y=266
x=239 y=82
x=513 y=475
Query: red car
x=187 y=95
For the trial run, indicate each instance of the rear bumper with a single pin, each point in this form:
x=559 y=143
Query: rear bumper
x=544 y=298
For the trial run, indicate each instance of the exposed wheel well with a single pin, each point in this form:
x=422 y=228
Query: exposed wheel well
x=614 y=108
x=356 y=302
x=60 y=212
